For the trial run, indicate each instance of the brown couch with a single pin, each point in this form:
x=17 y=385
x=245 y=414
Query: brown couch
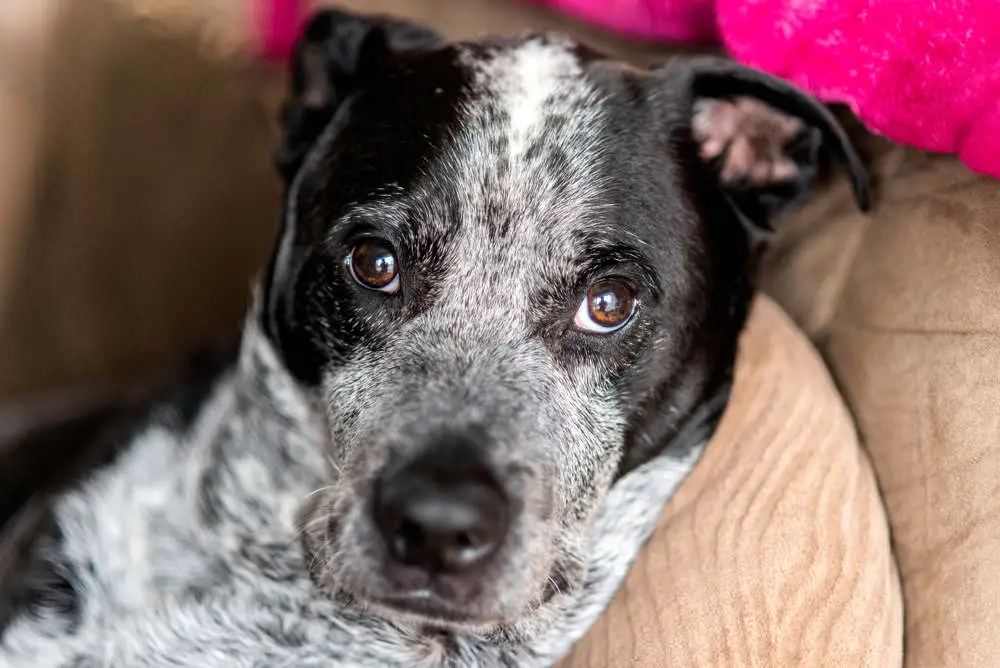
x=137 y=203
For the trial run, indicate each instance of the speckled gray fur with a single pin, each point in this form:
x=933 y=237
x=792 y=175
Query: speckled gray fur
x=162 y=584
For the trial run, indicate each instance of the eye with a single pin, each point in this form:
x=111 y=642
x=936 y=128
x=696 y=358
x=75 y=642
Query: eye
x=608 y=306
x=373 y=265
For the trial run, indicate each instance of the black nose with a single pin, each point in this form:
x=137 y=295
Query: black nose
x=443 y=512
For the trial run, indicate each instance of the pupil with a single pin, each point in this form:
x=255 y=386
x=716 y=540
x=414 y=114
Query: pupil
x=383 y=264
x=607 y=303
x=375 y=264
x=610 y=303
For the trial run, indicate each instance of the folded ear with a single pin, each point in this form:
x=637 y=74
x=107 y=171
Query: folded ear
x=763 y=138
x=337 y=53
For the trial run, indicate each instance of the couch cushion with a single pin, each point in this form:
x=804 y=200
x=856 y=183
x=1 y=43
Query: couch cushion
x=775 y=551
x=906 y=307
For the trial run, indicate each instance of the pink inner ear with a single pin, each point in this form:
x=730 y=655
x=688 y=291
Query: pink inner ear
x=277 y=24
x=753 y=136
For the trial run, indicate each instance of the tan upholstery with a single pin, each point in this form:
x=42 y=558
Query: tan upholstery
x=138 y=155
x=906 y=307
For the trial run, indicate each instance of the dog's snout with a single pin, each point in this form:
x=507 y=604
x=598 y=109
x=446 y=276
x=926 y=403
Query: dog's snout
x=442 y=512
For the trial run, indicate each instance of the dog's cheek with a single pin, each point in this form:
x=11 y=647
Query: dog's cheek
x=532 y=548
x=331 y=319
x=353 y=396
x=592 y=442
x=569 y=565
x=316 y=524
x=347 y=563
x=316 y=318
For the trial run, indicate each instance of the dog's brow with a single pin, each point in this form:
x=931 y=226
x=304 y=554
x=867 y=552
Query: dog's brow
x=602 y=255
x=386 y=211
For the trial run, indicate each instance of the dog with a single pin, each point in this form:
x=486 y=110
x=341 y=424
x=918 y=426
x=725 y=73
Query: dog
x=498 y=326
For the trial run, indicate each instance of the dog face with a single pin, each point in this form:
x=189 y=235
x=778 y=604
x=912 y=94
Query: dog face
x=510 y=271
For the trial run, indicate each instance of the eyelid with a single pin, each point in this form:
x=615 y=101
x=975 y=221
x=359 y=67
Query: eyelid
x=637 y=273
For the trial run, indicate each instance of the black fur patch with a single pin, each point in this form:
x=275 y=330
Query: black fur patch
x=36 y=580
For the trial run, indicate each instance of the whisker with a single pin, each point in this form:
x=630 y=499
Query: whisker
x=324 y=548
x=326 y=517
x=555 y=585
x=302 y=529
x=317 y=491
x=336 y=468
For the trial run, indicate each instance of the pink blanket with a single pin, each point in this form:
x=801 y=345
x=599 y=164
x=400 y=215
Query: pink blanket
x=921 y=72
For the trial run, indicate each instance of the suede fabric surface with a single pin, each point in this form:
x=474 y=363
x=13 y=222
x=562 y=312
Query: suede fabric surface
x=905 y=307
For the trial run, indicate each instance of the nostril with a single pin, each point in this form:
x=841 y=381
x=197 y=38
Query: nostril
x=467 y=549
x=440 y=523
x=406 y=541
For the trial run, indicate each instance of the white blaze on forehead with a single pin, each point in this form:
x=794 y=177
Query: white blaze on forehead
x=535 y=100
x=526 y=79
x=532 y=82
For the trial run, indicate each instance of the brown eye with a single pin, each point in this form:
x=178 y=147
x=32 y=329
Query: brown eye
x=373 y=265
x=609 y=304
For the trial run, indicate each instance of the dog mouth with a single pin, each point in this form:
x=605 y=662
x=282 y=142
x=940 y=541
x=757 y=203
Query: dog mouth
x=443 y=605
x=428 y=608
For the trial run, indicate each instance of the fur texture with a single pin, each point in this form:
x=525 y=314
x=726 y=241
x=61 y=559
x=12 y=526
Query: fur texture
x=186 y=551
x=506 y=176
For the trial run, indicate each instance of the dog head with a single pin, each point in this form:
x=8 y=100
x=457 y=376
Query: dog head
x=510 y=271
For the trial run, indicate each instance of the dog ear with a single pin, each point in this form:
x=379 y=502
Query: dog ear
x=336 y=55
x=763 y=139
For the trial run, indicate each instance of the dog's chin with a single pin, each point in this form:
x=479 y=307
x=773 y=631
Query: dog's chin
x=425 y=610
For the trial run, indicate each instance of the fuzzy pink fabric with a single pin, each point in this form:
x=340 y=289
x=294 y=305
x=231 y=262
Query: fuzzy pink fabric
x=921 y=72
